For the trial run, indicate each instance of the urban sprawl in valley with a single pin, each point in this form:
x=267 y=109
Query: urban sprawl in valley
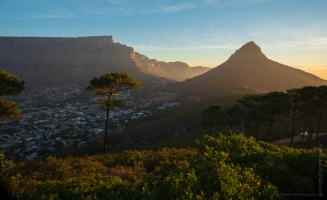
x=61 y=116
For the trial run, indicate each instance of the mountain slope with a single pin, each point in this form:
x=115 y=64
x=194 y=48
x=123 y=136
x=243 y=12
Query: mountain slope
x=73 y=60
x=177 y=71
x=248 y=70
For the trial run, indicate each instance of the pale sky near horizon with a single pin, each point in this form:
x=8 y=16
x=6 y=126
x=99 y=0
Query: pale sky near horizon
x=198 y=32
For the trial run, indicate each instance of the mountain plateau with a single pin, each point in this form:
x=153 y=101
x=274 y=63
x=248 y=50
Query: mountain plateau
x=45 y=60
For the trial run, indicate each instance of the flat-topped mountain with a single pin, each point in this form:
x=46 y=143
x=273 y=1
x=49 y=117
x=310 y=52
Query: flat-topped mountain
x=77 y=60
x=248 y=70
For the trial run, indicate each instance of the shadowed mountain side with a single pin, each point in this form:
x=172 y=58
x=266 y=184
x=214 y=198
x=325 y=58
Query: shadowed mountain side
x=68 y=60
x=47 y=60
x=248 y=70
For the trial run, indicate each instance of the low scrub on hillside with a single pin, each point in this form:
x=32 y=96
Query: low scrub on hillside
x=233 y=167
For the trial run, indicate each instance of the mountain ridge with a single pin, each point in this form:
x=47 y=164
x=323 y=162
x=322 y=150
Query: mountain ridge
x=178 y=71
x=77 y=60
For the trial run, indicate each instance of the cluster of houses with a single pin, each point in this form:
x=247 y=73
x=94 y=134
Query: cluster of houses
x=46 y=126
x=33 y=96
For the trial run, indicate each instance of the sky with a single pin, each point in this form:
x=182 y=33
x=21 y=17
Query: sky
x=197 y=32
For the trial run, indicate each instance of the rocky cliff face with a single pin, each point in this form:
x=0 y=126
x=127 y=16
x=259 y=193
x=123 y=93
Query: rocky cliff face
x=76 y=60
x=177 y=71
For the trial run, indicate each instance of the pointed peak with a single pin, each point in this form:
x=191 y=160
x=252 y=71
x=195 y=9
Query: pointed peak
x=248 y=49
x=250 y=46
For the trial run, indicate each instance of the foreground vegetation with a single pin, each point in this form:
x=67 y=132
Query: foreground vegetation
x=218 y=168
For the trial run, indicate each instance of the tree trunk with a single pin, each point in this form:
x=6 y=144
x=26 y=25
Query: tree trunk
x=259 y=125
x=257 y=131
x=318 y=126
x=312 y=128
x=306 y=125
x=210 y=130
x=230 y=128
x=248 y=127
x=105 y=142
x=249 y=131
x=293 y=126
x=267 y=132
x=243 y=131
x=269 y=135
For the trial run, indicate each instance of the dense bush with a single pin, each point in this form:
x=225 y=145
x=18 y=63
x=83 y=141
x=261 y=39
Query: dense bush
x=233 y=167
x=292 y=170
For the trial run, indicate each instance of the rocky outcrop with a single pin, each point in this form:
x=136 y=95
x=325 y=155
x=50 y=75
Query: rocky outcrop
x=77 y=60
x=177 y=71
x=248 y=70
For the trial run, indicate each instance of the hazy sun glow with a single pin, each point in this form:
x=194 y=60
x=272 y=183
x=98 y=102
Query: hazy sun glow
x=320 y=71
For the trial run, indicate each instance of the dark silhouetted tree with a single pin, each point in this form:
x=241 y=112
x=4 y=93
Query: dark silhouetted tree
x=307 y=105
x=212 y=116
x=294 y=97
x=107 y=86
x=233 y=115
x=277 y=106
x=250 y=112
x=319 y=102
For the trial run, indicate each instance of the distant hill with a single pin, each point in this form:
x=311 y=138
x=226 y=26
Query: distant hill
x=77 y=60
x=248 y=70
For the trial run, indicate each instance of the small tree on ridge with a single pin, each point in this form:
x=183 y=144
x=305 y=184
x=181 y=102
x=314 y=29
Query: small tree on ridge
x=107 y=86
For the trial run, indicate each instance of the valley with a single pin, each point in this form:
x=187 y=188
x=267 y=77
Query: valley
x=185 y=124
x=63 y=113
x=56 y=117
x=163 y=100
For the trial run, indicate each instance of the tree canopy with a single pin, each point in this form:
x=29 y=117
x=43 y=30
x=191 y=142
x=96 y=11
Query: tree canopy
x=9 y=85
x=259 y=114
x=110 y=84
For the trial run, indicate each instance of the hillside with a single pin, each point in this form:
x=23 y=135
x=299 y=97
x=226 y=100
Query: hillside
x=180 y=121
x=248 y=70
x=48 y=60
